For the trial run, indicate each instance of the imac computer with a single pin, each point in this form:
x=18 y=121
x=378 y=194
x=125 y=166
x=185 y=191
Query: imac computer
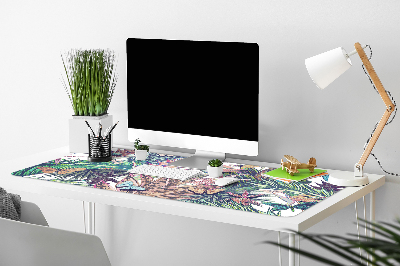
x=200 y=95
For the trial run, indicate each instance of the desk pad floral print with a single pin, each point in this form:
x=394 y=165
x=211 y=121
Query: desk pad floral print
x=255 y=192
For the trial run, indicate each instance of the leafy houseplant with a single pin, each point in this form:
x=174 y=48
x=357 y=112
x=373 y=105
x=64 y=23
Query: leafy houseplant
x=91 y=80
x=214 y=168
x=90 y=84
x=141 y=151
x=382 y=251
x=215 y=163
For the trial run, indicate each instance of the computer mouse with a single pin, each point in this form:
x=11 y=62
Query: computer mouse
x=225 y=181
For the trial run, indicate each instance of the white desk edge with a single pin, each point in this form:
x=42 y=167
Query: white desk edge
x=297 y=223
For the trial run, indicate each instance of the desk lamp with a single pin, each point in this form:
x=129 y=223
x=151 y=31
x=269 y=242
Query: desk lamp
x=323 y=70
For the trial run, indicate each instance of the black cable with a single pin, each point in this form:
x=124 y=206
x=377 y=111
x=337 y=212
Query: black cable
x=387 y=123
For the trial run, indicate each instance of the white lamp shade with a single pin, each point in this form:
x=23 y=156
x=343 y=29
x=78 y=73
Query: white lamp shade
x=326 y=67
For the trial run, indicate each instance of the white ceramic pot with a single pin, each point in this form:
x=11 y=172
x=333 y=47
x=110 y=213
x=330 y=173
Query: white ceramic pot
x=214 y=171
x=78 y=131
x=141 y=154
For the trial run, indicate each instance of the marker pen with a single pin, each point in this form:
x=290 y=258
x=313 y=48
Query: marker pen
x=101 y=127
x=106 y=132
x=90 y=132
x=89 y=127
x=112 y=128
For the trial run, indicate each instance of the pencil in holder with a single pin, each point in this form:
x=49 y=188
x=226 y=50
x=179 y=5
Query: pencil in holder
x=99 y=149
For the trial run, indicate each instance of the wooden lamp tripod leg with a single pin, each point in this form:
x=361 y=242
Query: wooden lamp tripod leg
x=389 y=109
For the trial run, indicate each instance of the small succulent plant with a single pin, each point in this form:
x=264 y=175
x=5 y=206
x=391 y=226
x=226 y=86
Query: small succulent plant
x=215 y=163
x=140 y=147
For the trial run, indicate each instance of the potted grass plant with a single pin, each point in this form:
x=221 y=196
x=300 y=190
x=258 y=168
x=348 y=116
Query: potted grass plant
x=214 y=168
x=141 y=151
x=90 y=83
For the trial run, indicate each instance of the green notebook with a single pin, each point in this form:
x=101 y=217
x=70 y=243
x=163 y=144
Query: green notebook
x=304 y=173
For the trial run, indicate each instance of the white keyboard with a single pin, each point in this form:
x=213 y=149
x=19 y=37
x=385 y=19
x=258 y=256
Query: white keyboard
x=161 y=171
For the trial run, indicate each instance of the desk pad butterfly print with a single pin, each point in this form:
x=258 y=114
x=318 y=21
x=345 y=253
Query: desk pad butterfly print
x=255 y=192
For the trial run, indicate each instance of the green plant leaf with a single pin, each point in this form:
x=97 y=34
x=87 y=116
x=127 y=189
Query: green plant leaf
x=91 y=80
x=381 y=251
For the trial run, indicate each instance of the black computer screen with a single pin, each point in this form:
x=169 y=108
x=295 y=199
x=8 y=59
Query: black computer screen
x=202 y=88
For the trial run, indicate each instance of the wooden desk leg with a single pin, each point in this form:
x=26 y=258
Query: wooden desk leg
x=292 y=243
x=89 y=217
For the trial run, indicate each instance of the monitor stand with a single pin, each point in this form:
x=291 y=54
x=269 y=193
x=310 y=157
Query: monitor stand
x=199 y=160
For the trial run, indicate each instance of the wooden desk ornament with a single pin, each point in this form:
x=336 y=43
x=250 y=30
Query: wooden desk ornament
x=292 y=164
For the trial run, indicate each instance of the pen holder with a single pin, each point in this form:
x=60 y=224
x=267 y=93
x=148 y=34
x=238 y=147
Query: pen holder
x=99 y=149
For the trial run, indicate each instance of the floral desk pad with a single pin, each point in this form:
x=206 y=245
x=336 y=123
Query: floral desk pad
x=255 y=192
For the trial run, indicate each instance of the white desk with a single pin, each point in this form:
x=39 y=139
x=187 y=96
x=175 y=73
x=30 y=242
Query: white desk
x=297 y=223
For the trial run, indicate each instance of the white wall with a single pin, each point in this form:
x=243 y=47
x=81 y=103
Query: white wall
x=295 y=117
